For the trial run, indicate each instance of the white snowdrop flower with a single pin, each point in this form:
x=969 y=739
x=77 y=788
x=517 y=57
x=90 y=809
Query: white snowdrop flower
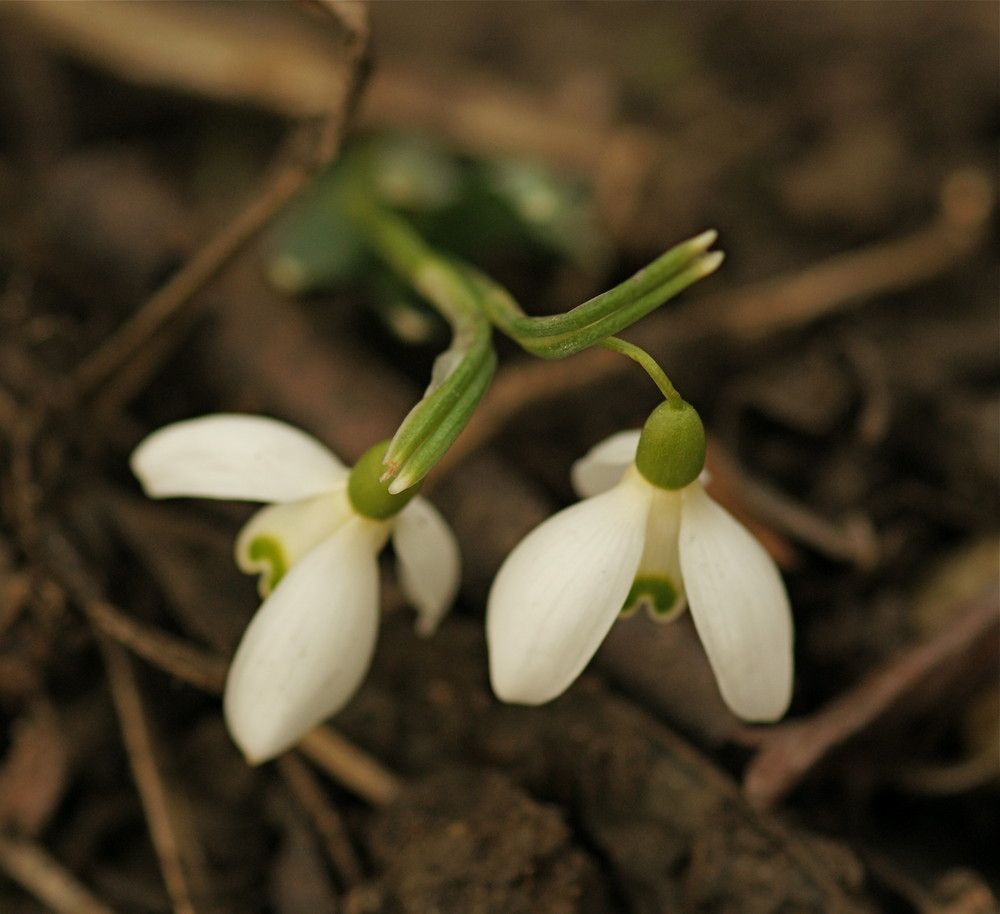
x=308 y=647
x=647 y=534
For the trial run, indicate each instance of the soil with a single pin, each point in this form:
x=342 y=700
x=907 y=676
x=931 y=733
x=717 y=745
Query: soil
x=844 y=358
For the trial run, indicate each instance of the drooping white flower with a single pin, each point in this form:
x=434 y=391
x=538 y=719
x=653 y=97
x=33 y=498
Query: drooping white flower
x=315 y=546
x=633 y=542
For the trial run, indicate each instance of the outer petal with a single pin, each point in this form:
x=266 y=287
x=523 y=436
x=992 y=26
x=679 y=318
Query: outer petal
x=603 y=465
x=232 y=456
x=277 y=536
x=739 y=606
x=429 y=562
x=560 y=590
x=308 y=647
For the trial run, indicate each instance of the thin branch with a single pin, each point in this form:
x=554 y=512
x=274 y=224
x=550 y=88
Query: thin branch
x=788 y=752
x=351 y=766
x=181 y=863
x=31 y=866
x=200 y=668
x=314 y=145
x=325 y=818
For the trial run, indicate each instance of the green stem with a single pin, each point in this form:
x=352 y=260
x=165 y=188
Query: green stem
x=414 y=260
x=462 y=372
x=562 y=335
x=686 y=260
x=648 y=363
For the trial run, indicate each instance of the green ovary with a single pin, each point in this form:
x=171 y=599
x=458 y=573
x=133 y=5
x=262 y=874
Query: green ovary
x=369 y=496
x=269 y=557
x=658 y=595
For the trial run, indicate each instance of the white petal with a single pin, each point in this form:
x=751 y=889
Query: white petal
x=739 y=606
x=560 y=590
x=232 y=456
x=308 y=647
x=277 y=536
x=428 y=560
x=659 y=584
x=603 y=465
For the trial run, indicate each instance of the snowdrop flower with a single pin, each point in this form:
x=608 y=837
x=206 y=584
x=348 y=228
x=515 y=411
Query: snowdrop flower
x=315 y=546
x=648 y=534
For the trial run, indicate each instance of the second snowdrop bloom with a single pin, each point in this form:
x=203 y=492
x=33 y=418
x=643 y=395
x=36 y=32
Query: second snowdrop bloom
x=315 y=547
x=647 y=534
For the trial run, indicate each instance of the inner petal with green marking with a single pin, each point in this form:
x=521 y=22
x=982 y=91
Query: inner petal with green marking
x=269 y=559
x=277 y=536
x=660 y=597
x=658 y=584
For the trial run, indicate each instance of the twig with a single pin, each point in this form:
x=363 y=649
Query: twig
x=349 y=765
x=788 y=752
x=851 y=538
x=325 y=818
x=180 y=858
x=118 y=350
x=174 y=298
x=200 y=668
x=23 y=490
x=966 y=203
x=35 y=771
x=28 y=864
x=257 y=55
x=203 y=669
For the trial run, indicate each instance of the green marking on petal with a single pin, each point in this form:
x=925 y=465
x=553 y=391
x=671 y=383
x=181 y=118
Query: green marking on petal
x=266 y=552
x=659 y=597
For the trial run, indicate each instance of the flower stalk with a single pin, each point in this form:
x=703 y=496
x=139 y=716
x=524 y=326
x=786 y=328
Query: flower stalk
x=648 y=364
x=561 y=335
x=460 y=374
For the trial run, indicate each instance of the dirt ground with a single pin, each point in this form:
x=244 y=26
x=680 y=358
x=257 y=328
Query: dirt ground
x=845 y=359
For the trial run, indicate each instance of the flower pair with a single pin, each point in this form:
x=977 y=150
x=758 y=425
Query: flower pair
x=647 y=534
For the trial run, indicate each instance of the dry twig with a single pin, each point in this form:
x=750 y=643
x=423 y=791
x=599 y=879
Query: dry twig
x=30 y=865
x=203 y=669
x=121 y=350
x=182 y=863
x=788 y=752
x=325 y=818
x=350 y=766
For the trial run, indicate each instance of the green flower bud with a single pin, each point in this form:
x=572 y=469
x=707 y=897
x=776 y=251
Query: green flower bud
x=671 y=450
x=368 y=494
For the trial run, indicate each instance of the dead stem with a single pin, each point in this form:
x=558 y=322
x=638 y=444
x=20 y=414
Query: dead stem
x=200 y=668
x=325 y=818
x=31 y=866
x=350 y=766
x=182 y=863
x=758 y=310
x=120 y=350
x=788 y=752
x=313 y=146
